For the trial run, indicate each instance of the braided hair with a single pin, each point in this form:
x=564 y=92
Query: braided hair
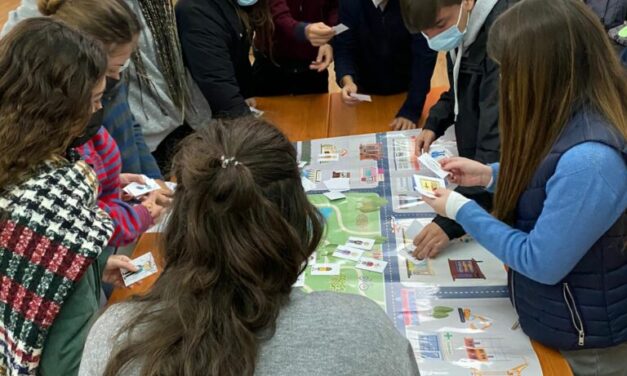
x=160 y=19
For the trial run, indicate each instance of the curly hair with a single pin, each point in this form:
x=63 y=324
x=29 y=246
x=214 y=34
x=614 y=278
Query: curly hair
x=239 y=234
x=47 y=73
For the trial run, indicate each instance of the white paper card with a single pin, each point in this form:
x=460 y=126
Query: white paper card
x=256 y=112
x=425 y=185
x=348 y=253
x=361 y=97
x=407 y=253
x=339 y=29
x=371 y=264
x=325 y=269
x=300 y=281
x=334 y=195
x=331 y=157
x=360 y=243
x=147 y=267
x=136 y=189
x=307 y=184
x=414 y=229
x=427 y=161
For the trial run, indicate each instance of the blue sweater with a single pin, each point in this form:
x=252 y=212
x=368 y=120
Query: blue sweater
x=127 y=133
x=585 y=197
x=382 y=56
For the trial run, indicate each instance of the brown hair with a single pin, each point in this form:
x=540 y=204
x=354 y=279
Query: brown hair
x=110 y=21
x=47 y=74
x=258 y=21
x=555 y=59
x=240 y=232
x=422 y=14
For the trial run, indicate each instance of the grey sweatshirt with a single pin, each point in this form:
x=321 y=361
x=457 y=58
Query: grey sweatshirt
x=157 y=117
x=317 y=334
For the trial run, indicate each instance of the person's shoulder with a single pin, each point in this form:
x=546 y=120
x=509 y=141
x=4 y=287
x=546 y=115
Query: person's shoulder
x=113 y=318
x=593 y=156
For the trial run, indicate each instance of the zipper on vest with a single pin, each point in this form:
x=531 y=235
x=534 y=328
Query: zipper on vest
x=517 y=323
x=574 y=314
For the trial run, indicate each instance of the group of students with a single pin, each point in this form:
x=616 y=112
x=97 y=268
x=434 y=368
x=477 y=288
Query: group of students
x=100 y=92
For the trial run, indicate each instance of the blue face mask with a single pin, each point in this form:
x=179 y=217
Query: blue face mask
x=448 y=39
x=246 y=3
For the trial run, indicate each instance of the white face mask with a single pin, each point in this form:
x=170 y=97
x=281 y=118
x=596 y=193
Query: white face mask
x=448 y=39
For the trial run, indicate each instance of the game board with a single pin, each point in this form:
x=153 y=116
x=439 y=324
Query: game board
x=453 y=309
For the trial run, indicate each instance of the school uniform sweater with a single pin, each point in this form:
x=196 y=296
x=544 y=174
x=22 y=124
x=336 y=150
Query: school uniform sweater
x=130 y=221
x=127 y=133
x=382 y=56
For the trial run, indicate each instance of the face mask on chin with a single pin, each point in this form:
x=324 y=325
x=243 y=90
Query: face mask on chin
x=448 y=39
x=246 y=3
x=90 y=131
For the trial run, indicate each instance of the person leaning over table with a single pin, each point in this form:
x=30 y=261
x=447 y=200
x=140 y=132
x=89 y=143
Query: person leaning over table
x=460 y=27
x=377 y=55
x=300 y=51
x=560 y=220
x=216 y=37
x=240 y=232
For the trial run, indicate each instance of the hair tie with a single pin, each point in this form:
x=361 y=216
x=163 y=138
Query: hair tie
x=227 y=161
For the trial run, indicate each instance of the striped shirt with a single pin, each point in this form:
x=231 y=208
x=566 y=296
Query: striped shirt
x=130 y=221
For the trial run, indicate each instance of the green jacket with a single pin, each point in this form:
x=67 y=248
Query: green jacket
x=63 y=348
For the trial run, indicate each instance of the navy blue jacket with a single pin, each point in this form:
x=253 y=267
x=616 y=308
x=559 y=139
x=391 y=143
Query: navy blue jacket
x=587 y=309
x=382 y=56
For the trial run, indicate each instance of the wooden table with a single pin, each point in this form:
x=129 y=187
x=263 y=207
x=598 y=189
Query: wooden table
x=302 y=117
x=318 y=116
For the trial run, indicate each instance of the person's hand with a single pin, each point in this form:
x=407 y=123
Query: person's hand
x=251 y=102
x=439 y=202
x=402 y=124
x=150 y=202
x=319 y=34
x=430 y=242
x=466 y=172
x=348 y=88
x=324 y=59
x=126 y=179
x=112 y=273
x=164 y=196
x=424 y=141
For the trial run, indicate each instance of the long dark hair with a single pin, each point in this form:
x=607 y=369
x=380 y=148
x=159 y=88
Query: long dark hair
x=554 y=56
x=48 y=71
x=258 y=22
x=239 y=234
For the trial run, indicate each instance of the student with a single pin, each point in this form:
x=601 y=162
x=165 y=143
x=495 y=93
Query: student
x=162 y=96
x=300 y=55
x=52 y=233
x=377 y=55
x=561 y=186
x=117 y=27
x=460 y=27
x=240 y=231
x=216 y=38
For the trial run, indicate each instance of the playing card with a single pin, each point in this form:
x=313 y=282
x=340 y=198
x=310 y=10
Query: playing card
x=371 y=264
x=361 y=97
x=256 y=112
x=338 y=184
x=414 y=229
x=407 y=253
x=426 y=185
x=171 y=185
x=334 y=195
x=331 y=157
x=307 y=184
x=136 y=189
x=360 y=243
x=427 y=161
x=302 y=164
x=300 y=281
x=147 y=267
x=325 y=269
x=348 y=253
x=339 y=29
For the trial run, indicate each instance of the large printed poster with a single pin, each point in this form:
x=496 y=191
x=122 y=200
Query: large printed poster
x=453 y=309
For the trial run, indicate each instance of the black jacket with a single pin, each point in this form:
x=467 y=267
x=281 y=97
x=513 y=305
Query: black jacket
x=215 y=47
x=476 y=128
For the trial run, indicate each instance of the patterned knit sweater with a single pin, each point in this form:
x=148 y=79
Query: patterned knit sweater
x=51 y=231
x=130 y=221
